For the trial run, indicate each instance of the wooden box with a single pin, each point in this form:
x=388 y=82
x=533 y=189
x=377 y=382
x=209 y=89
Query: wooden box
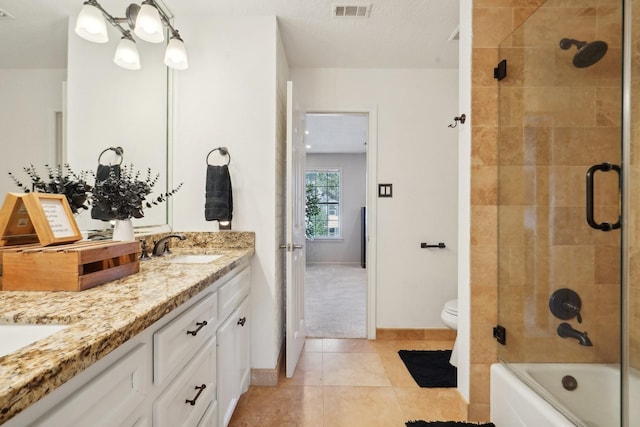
x=73 y=267
x=9 y=248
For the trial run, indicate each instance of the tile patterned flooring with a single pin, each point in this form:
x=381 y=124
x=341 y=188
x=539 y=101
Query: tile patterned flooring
x=350 y=383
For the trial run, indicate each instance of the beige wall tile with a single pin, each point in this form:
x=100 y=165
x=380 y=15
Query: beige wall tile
x=483 y=150
x=485 y=106
x=491 y=25
x=484 y=189
x=484 y=225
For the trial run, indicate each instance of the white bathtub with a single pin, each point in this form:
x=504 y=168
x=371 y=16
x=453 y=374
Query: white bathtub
x=594 y=403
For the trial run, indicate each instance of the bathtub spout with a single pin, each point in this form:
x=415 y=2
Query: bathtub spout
x=565 y=330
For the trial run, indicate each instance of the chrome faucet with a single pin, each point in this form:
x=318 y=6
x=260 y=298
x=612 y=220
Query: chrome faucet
x=565 y=330
x=161 y=247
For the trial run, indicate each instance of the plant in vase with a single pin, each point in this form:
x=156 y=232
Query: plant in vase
x=61 y=180
x=124 y=195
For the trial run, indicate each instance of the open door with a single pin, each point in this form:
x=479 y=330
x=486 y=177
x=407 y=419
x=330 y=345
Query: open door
x=295 y=233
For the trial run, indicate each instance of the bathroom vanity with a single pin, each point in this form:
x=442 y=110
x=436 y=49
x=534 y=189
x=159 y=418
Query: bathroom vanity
x=165 y=347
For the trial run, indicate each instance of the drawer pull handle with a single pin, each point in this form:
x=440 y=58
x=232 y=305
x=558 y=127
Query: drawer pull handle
x=242 y=321
x=200 y=325
x=192 y=402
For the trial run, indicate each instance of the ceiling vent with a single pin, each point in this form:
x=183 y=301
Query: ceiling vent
x=351 y=10
x=6 y=15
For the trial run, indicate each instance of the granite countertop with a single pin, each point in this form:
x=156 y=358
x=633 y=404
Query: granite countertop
x=100 y=319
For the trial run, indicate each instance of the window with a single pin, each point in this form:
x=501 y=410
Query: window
x=323 y=204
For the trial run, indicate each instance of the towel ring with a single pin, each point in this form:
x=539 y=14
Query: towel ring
x=223 y=151
x=118 y=150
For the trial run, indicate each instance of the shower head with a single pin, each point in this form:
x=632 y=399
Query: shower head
x=588 y=53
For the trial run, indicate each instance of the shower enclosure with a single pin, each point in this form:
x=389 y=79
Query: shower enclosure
x=569 y=208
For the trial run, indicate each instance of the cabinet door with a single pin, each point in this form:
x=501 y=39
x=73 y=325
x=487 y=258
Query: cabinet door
x=110 y=399
x=227 y=374
x=243 y=345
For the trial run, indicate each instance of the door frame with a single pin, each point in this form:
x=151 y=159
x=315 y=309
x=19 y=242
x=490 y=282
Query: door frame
x=372 y=201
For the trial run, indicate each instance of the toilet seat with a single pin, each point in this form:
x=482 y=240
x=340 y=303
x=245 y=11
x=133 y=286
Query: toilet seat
x=449 y=314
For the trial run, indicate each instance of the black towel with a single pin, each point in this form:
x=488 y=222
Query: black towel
x=218 y=205
x=102 y=173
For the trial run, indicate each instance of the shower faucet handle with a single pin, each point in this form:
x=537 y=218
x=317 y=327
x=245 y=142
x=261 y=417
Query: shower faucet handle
x=573 y=308
x=565 y=304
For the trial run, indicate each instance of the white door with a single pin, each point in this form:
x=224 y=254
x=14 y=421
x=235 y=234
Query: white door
x=295 y=233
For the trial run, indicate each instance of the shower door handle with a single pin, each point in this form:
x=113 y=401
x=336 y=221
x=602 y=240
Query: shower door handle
x=603 y=167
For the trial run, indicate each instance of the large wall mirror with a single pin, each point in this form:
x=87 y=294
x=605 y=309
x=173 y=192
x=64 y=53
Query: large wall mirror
x=64 y=100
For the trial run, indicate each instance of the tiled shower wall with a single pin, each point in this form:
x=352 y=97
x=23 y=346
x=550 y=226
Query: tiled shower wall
x=557 y=113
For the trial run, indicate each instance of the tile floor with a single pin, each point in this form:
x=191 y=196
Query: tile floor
x=350 y=383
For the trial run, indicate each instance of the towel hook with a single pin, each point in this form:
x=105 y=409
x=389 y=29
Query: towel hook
x=457 y=119
x=118 y=150
x=223 y=151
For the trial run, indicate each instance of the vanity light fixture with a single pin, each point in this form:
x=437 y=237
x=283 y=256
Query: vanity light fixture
x=146 y=21
x=127 y=54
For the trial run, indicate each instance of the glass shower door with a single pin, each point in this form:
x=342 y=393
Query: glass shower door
x=559 y=154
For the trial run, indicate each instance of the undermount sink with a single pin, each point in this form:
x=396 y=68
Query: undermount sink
x=193 y=258
x=15 y=336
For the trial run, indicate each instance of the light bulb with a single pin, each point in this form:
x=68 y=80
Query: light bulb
x=91 y=25
x=148 y=24
x=127 y=55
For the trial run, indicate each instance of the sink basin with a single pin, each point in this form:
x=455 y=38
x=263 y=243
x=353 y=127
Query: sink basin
x=193 y=259
x=13 y=337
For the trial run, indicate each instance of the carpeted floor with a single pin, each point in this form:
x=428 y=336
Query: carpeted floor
x=335 y=301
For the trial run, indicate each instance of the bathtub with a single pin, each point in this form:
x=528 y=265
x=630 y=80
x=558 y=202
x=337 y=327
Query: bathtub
x=593 y=403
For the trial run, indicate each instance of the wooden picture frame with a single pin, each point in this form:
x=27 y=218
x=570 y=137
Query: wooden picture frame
x=16 y=227
x=52 y=218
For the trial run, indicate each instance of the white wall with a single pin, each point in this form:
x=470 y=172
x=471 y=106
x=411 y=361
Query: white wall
x=354 y=192
x=30 y=98
x=228 y=97
x=418 y=154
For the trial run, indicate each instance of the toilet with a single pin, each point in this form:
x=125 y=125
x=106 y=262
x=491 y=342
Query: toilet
x=449 y=316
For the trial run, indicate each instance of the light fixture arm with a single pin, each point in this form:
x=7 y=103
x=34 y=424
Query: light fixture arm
x=164 y=18
x=114 y=21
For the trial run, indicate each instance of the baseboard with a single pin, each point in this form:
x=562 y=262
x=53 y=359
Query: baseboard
x=354 y=263
x=268 y=377
x=443 y=334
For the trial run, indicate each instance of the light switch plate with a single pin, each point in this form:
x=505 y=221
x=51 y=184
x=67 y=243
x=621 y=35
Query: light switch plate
x=385 y=190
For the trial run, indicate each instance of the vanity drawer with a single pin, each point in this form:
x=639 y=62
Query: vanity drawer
x=176 y=343
x=233 y=292
x=185 y=400
x=210 y=417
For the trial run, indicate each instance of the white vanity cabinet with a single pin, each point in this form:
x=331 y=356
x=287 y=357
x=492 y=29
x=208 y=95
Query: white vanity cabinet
x=169 y=375
x=233 y=337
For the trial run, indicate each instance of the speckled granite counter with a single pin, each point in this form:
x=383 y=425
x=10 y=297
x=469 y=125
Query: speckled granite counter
x=104 y=317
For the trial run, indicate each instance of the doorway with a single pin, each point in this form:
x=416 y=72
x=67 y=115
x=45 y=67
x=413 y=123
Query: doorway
x=336 y=185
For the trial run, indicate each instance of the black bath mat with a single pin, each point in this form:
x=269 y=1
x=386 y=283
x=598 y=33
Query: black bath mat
x=430 y=368
x=421 y=423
